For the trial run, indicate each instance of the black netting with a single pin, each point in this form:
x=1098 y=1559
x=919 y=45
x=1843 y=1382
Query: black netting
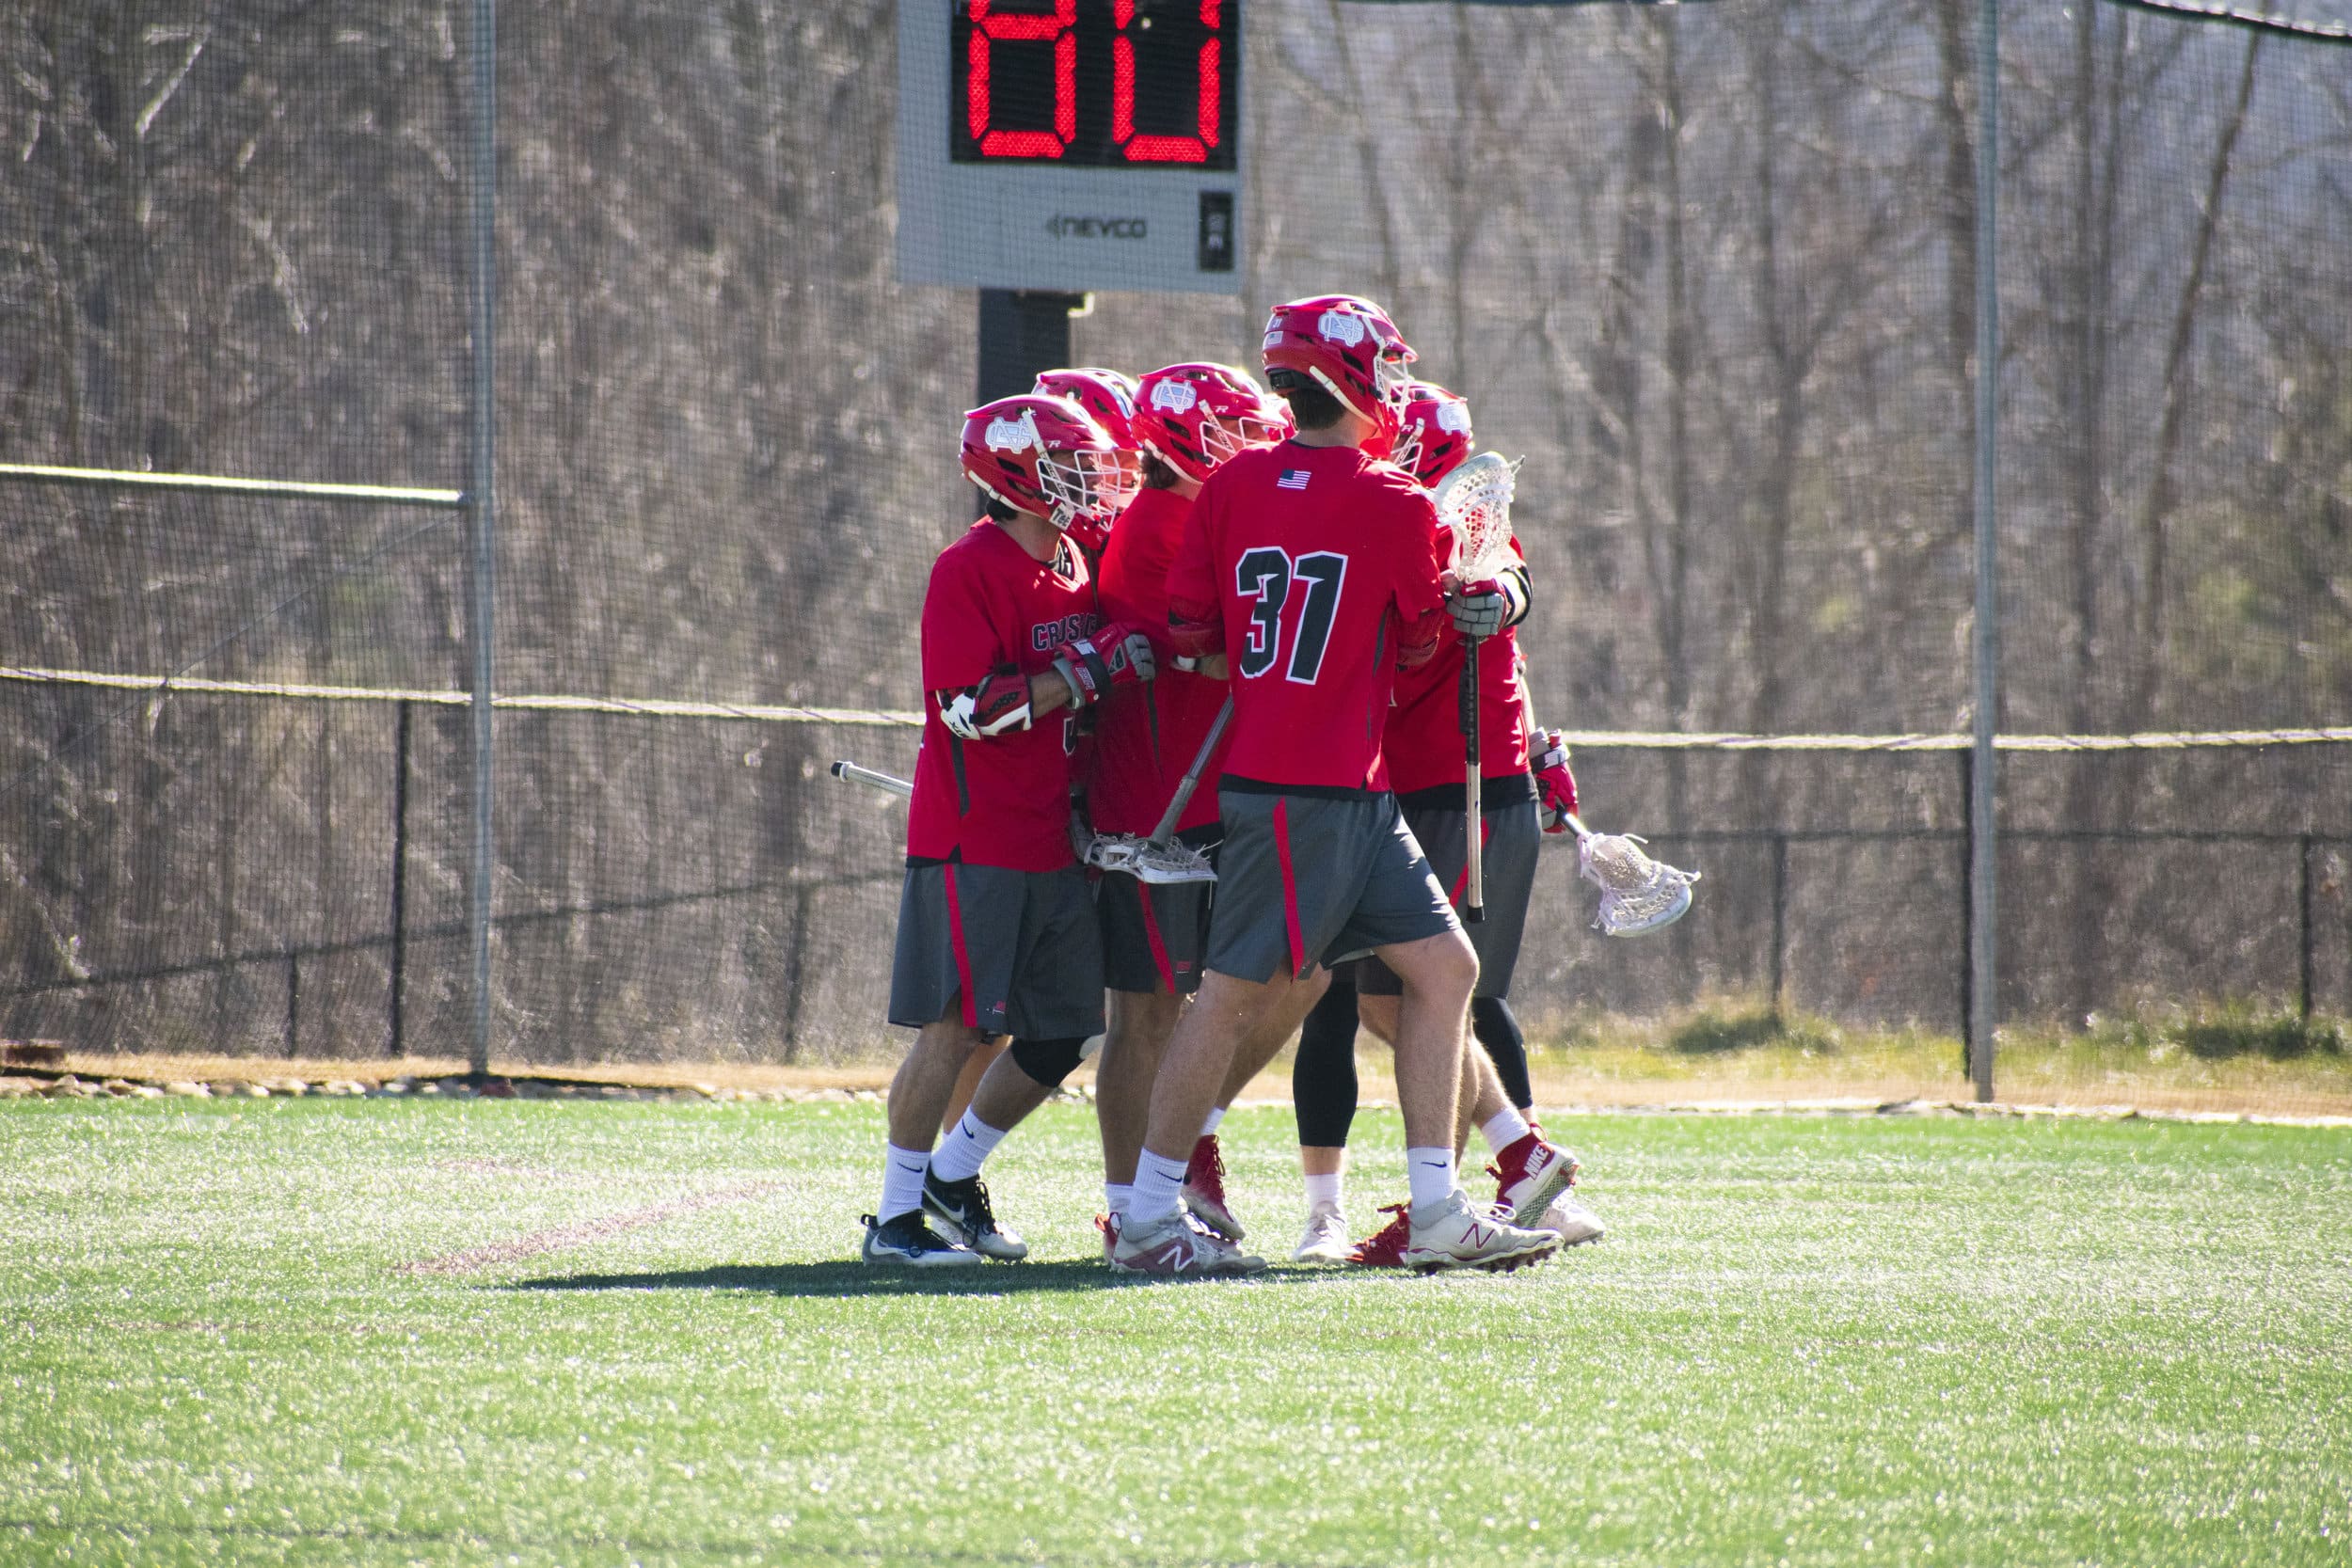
x=1708 y=267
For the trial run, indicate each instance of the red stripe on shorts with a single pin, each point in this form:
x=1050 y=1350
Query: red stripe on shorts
x=963 y=958
x=1461 y=883
x=1152 y=935
x=1290 y=885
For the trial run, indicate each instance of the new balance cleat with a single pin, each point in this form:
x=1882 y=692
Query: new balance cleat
x=1385 y=1247
x=1326 y=1241
x=962 y=1207
x=1528 y=1176
x=1571 y=1221
x=1204 y=1189
x=1178 y=1247
x=907 y=1241
x=1455 y=1234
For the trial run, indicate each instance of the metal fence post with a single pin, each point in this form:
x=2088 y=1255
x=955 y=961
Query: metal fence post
x=1983 y=848
x=485 y=511
x=400 y=725
x=1780 y=918
x=2303 y=924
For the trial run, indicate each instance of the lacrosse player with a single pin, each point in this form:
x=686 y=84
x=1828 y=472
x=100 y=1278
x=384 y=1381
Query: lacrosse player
x=996 y=928
x=1187 y=419
x=1426 y=763
x=1315 y=570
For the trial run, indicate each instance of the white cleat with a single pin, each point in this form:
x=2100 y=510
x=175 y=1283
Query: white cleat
x=1326 y=1240
x=1457 y=1234
x=1177 y=1247
x=1571 y=1221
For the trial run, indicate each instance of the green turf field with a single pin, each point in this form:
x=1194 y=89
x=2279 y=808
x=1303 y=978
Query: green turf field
x=1806 y=1341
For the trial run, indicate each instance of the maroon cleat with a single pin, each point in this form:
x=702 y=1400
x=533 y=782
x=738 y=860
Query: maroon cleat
x=1204 y=1190
x=1528 y=1174
x=1385 y=1248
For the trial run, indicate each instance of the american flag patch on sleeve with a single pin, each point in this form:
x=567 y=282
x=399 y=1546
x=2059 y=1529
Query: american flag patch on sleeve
x=1293 y=478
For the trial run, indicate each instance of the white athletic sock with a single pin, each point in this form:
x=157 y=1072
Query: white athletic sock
x=1431 y=1171
x=1208 y=1127
x=902 y=1179
x=1118 y=1197
x=960 y=1153
x=1159 y=1184
x=1323 y=1191
x=1503 y=1129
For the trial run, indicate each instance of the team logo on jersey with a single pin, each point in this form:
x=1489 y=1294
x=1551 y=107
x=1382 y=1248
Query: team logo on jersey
x=1018 y=435
x=1342 y=326
x=1177 y=397
x=1453 y=417
x=1293 y=478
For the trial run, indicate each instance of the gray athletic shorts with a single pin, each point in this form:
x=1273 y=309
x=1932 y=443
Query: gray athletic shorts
x=1009 y=952
x=1153 y=934
x=1311 y=879
x=1514 y=839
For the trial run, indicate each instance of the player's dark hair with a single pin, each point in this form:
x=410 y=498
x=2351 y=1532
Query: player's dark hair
x=1312 y=406
x=1159 y=475
x=999 y=513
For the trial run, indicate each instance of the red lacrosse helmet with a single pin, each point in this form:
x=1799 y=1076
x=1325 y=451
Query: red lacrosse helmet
x=1432 y=435
x=1107 y=395
x=1193 y=416
x=1349 y=346
x=1047 y=456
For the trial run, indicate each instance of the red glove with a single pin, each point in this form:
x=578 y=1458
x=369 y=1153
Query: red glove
x=1555 y=786
x=1196 y=630
x=1115 y=653
x=998 y=703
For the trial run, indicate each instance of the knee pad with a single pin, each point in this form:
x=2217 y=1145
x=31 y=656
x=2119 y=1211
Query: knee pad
x=1048 y=1062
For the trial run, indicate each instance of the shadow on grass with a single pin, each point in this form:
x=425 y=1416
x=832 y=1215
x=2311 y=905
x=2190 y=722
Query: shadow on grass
x=846 y=1278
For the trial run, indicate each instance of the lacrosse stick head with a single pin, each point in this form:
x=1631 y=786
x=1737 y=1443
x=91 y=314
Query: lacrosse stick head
x=1474 y=500
x=1150 y=860
x=1637 y=894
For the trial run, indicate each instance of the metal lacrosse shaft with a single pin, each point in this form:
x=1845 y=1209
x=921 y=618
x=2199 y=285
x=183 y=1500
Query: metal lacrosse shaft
x=852 y=772
x=1473 y=834
x=1166 y=830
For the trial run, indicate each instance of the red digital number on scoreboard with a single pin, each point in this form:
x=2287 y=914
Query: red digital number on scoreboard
x=1094 y=82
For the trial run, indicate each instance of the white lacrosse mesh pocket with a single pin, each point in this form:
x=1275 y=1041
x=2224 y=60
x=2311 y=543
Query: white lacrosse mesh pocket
x=1474 y=500
x=1637 y=894
x=1150 y=861
x=1096 y=484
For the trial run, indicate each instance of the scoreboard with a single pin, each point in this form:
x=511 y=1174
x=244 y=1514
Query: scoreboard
x=1070 y=145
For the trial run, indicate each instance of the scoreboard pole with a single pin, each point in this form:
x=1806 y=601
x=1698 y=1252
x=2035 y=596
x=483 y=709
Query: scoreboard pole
x=1023 y=331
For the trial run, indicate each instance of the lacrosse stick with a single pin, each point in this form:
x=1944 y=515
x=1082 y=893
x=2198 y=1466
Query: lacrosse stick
x=853 y=773
x=1637 y=894
x=1474 y=500
x=1161 y=859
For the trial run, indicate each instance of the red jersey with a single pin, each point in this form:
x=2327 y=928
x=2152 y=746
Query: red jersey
x=1316 y=565
x=1145 y=736
x=1423 y=743
x=1003 y=800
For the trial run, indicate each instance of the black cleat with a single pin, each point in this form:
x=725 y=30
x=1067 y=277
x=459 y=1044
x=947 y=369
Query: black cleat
x=908 y=1240
x=962 y=1207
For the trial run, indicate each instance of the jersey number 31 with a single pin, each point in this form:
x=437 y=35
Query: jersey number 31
x=1266 y=574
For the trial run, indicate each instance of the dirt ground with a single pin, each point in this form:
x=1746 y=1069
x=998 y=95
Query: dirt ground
x=1555 y=1090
